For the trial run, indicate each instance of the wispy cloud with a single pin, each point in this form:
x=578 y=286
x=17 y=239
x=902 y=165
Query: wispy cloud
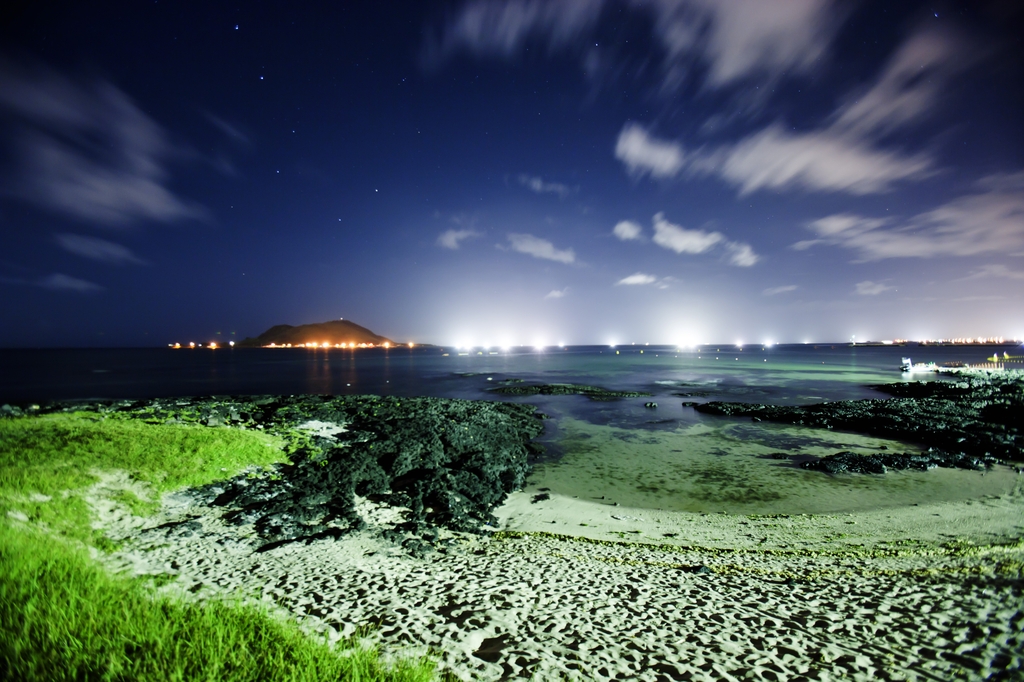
x=499 y=28
x=823 y=160
x=987 y=222
x=232 y=132
x=996 y=270
x=451 y=239
x=540 y=248
x=869 y=288
x=538 y=185
x=61 y=282
x=87 y=151
x=733 y=38
x=557 y=293
x=908 y=86
x=98 y=249
x=638 y=278
x=627 y=230
x=775 y=291
x=846 y=154
x=775 y=159
x=644 y=154
x=737 y=39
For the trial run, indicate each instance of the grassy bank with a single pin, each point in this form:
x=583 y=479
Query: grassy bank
x=62 y=616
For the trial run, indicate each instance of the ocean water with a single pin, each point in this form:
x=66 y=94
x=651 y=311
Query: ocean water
x=669 y=457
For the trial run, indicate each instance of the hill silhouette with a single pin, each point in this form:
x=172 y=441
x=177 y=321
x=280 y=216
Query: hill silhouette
x=333 y=332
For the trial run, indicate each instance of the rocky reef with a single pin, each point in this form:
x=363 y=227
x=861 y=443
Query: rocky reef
x=974 y=418
x=592 y=392
x=437 y=462
x=854 y=463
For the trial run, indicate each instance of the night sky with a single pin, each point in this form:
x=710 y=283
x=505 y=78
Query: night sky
x=511 y=171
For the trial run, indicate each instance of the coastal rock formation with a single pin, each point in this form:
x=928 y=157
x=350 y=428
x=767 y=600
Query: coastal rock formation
x=592 y=392
x=978 y=415
x=854 y=463
x=436 y=462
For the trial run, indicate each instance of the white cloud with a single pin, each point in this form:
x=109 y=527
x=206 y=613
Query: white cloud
x=681 y=240
x=740 y=38
x=869 y=288
x=987 y=222
x=59 y=282
x=450 y=239
x=500 y=27
x=734 y=38
x=741 y=255
x=642 y=153
x=845 y=155
x=627 y=230
x=817 y=161
x=540 y=248
x=540 y=187
x=638 y=278
x=557 y=293
x=98 y=249
x=87 y=151
x=908 y=86
x=775 y=159
x=775 y=291
x=994 y=270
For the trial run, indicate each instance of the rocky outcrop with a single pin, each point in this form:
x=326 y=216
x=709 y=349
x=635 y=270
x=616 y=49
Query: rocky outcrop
x=978 y=415
x=438 y=462
x=854 y=463
x=592 y=392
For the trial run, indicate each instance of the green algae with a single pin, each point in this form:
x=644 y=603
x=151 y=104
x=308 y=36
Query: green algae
x=722 y=465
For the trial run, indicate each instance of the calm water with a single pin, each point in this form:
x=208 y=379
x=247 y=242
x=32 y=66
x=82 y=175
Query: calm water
x=669 y=457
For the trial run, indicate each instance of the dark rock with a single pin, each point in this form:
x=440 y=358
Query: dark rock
x=540 y=498
x=449 y=462
x=592 y=392
x=978 y=415
x=853 y=463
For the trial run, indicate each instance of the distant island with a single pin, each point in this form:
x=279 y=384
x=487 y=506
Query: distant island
x=332 y=334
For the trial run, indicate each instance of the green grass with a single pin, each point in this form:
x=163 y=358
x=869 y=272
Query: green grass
x=63 y=617
x=55 y=456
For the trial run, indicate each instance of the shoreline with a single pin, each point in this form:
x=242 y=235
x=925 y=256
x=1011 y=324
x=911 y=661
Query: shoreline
x=559 y=587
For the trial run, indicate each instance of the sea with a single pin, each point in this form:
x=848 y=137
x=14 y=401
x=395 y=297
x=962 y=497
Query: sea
x=622 y=451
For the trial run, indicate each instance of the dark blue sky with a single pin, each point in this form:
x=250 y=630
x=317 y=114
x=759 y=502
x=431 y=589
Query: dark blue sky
x=512 y=171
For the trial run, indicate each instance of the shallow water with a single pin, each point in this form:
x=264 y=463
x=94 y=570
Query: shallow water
x=667 y=458
x=723 y=465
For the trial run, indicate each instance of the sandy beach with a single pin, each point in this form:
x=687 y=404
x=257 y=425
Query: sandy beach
x=580 y=589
